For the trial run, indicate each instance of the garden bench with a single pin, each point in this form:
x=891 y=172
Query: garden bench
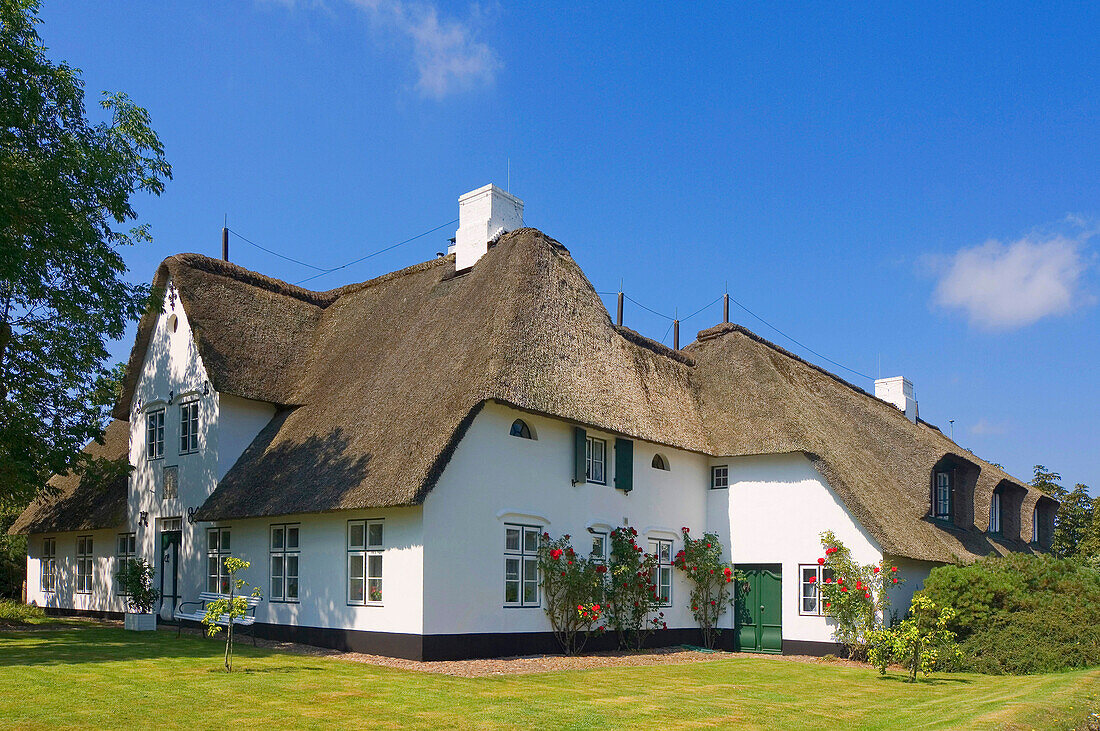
x=207 y=597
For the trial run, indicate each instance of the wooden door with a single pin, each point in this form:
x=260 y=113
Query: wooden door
x=758 y=614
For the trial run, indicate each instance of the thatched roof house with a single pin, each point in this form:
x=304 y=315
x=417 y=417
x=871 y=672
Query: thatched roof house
x=376 y=383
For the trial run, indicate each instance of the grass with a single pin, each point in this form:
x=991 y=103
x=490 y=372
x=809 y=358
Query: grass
x=14 y=613
x=92 y=676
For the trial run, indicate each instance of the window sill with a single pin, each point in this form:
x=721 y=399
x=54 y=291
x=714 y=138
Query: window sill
x=522 y=606
x=358 y=604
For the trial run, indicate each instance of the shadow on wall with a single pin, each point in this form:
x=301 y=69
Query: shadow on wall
x=310 y=475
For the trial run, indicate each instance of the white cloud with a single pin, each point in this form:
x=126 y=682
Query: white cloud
x=985 y=427
x=445 y=51
x=1003 y=286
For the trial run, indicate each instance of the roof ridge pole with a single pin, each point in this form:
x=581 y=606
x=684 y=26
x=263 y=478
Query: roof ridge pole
x=225 y=242
x=676 y=332
x=619 y=316
x=726 y=307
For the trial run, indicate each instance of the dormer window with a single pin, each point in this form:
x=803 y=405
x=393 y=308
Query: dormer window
x=1035 y=536
x=995 y=513
x=941 y=495
x=521 y=430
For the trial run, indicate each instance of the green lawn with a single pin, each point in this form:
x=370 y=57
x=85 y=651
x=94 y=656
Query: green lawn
x=101 y=677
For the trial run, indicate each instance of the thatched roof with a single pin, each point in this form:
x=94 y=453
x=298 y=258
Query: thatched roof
x=377 y=382
x=75 y=504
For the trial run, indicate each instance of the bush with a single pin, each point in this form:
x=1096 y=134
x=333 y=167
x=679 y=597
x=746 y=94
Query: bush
x=16 y=613
x=1022 y=614
x=855 y=595
x=135 y=577
x=921 y=642
x=712 y=582
x=631 y=602
x=571 y=588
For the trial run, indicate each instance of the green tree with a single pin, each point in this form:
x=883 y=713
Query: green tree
x=1072 y=524
x=1089 y=547
x=65 y=202
x=229 y=608
x=1048 y=482
x=922 y=641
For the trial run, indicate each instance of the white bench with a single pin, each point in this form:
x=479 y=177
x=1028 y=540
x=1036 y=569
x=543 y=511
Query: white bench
x=208 y=597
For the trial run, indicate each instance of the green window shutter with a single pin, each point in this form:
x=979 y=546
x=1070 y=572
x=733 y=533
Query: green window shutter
x=580 y=455
x=624 y=464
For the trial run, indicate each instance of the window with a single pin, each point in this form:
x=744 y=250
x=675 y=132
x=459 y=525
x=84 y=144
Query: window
x=189 y=427
x=1035 y=525
x=995 y=513
x=596 y=460
x=84 y=565
x=942 y=496
x=599 y=548
x=659 y=462
x=171 y=482
x=521 y=566
x=218 y=547
x=170 y=524
x=154 y=434
x=521 y=430
x=284 y=563
x=662 y=576
x=810 y=577
x=719 y=477
x=47 y=565
x=364 y=562
x=124 y=551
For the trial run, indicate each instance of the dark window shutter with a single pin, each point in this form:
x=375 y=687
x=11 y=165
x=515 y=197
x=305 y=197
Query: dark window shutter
x=624 y=464
x=580 y=455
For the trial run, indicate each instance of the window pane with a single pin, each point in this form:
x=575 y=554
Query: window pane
x=530 y=581
x=511 y=539
x=225 y=541
x=511 y=569
x=212 y=539
x=276 y=587
x=374 y=534
x=292 y=587
x=374 y=590
x=374 y=566
x=276 y=565
x=355 y=590
x=356 y=566
x=356 y=535
x=530 y=540
x=292 y=566
x=292 y=537
x=277 y=538
x=511 y=591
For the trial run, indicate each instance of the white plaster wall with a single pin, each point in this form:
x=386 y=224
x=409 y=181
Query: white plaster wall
x=492 y=472
x=777 y=507
x=103 y=596
x=912 y=574
x=322 y=570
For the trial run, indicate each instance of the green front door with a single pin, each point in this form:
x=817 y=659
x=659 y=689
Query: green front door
x=759 y=609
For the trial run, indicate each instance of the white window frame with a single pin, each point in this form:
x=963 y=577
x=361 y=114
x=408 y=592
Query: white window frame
x=365 y=543
x=47 y=566
x=820 y=573
x=599 y=555
x=285 y=553
x=154 y=434
x=942 y=506
x=995 y=513
x=125 y=550
x=591 y=462
x=1035 y=525
x=189 y=426
x=719 y=477
x=85 y=565
x=524 y=555
x=217 y=550
x=662 y=579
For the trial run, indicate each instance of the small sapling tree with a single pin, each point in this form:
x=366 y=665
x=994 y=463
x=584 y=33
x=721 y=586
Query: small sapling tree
x=229 y=608
x=571 y=586
x=713 y=581
x=922 y=641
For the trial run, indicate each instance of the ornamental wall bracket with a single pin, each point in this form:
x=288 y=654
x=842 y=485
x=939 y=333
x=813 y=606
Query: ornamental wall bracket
x=191 y=515
x=143 y=518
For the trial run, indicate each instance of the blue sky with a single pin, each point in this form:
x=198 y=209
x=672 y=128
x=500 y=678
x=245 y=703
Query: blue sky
x=907 y=192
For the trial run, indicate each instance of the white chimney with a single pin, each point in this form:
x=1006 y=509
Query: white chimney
x=899 y=392
x=483 y=215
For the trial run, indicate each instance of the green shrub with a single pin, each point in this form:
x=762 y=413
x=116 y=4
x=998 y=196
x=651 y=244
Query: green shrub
x=14 y=613
x=1022 y=614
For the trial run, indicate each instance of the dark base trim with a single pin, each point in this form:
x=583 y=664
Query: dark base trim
x=813 y=647
x=91 y=613
x=464 y=646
